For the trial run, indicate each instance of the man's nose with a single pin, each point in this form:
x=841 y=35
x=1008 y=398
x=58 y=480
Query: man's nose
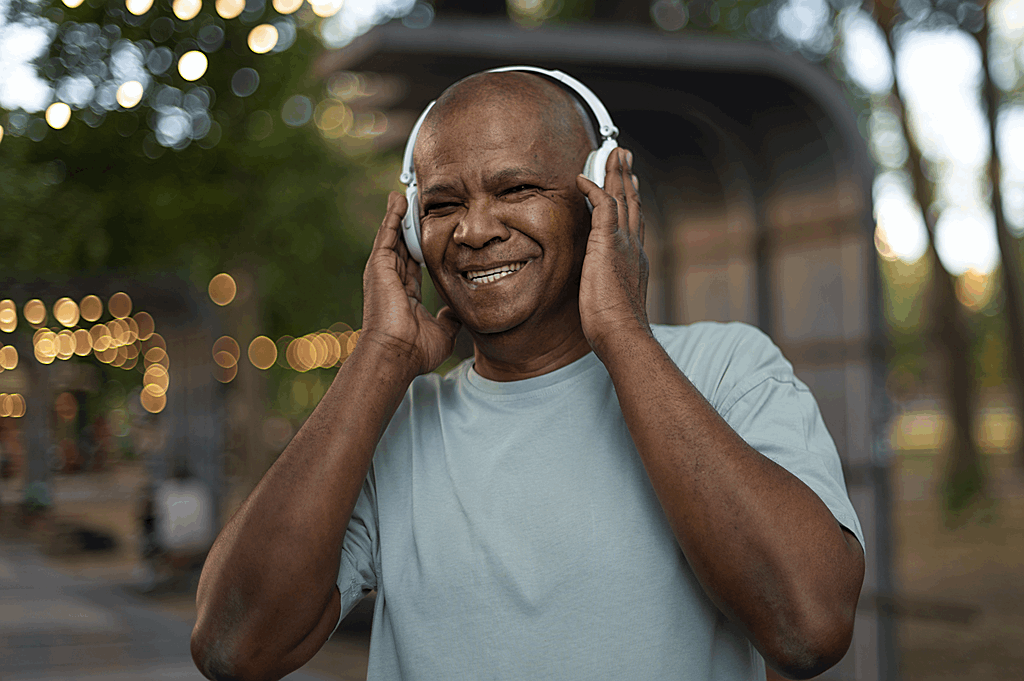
x=480 y=226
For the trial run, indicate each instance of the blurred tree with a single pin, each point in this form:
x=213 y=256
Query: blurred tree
x=965 y=484
x=199 y=175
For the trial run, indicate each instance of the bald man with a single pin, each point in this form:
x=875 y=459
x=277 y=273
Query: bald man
x=588 y=497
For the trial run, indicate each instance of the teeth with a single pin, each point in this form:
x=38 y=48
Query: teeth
x=493 y=274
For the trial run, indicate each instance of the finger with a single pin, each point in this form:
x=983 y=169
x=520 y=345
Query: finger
x=413 y=278
x=389 y=234
x=622 y=181
x=605 y=206
x=632 y=185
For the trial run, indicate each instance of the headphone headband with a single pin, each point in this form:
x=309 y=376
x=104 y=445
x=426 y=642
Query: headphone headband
x=607 y=130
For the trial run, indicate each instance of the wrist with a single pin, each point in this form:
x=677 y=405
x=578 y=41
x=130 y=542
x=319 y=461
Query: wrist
x=620 y=342
x=390 y=355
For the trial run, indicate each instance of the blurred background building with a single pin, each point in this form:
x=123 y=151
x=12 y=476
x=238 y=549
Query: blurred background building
x=188 y=192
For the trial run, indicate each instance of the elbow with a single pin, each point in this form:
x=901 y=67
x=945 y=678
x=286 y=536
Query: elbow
x=806 y=651
x=215 y=659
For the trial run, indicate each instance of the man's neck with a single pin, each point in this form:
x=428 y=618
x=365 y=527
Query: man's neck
x=526 y=351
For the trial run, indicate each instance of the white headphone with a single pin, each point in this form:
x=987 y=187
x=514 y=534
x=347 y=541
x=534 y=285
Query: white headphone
x=593 y=169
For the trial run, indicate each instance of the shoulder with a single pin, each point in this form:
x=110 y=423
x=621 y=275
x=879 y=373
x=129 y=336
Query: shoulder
x=428 y=393
x=722 y=359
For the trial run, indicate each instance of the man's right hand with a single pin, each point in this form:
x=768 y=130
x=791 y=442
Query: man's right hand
x=393 y=311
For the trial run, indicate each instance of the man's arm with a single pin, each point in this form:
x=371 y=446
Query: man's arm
x=267 y=599
x=766 y=549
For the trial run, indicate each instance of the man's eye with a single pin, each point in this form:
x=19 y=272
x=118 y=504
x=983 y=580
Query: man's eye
x=440 y=208
x=519 y=188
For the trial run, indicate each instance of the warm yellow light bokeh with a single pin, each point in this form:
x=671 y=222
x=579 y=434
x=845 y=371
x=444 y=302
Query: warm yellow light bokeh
x=333 y=118
x=65 y=311
x=186 y=9
x=35 y=312
x=129 y=94
x=65 y=345
x=138 y=7
x=146 y=325
x=222 y=289
x=8 y=316
x=226 y=351
x=18 y=409
x=326 y=8
x=107 y=355
x=156 y=380
x=156 y=356
x=83 y=342
x=117 y=332
x=301 y=354
x=352 y=340
x=226 y=374
x=73 y=3
x=58 y=114
x=229 y=9
x=9 y=357
x=101 y=339
x=91 y=308
x=1 y=133
x=6 y=405
x=120 y=305
x=263 y=38
x=154 y=404
x=192 y=65
x=262 y=352
x=287 y=6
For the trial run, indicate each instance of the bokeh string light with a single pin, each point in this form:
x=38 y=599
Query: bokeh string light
x=222 y=289
x=57 y=115
x=8 y=316
x=229 y=9
x=129 y=94
x=186 y=9
x=138 y=7
x=125 y=341
x=263 y=38
x=287 y=6
x=192 y=65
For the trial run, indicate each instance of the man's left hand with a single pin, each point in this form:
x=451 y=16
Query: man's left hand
x=613 y=286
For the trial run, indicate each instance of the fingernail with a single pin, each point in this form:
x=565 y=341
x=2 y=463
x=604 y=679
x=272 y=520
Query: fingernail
x=629 y=158
x=636 y=182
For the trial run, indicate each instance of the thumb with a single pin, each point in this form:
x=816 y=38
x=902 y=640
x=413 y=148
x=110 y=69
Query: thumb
x=449 y=321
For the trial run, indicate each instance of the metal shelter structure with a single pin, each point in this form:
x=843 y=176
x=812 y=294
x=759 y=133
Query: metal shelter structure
x=757 y=192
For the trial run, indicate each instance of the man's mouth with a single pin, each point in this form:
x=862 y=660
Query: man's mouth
x=494 y=273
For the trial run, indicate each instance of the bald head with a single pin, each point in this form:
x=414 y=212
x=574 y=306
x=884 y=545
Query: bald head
x=563 y=120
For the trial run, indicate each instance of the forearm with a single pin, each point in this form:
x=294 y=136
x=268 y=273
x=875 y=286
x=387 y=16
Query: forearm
x=271 y=572
x=766 y=549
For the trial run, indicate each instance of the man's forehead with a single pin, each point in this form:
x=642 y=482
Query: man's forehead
x=504 y=113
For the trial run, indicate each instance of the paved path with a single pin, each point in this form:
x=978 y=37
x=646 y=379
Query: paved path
x=58 y=626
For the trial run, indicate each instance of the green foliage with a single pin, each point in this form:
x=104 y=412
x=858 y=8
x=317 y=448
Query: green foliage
x=102 y=195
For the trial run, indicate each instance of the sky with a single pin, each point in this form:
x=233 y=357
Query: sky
x=938 y=74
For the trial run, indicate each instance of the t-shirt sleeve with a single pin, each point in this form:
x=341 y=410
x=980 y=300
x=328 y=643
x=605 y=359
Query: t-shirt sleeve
x=778 y=416
x=747 y=380
x=357 y=571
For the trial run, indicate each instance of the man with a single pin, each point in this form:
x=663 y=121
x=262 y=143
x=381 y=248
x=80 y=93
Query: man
x=587 y=498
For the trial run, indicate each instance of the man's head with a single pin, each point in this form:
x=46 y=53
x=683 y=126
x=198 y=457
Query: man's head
x=496 y=163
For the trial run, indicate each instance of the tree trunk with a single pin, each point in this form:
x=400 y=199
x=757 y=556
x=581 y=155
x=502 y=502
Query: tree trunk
x=964 y=484
x=1008 y=246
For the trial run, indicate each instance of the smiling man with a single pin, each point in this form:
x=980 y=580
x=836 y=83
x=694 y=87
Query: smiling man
x=589 y=497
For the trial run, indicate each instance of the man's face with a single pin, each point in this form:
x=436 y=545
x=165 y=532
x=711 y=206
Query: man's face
x=504 y=228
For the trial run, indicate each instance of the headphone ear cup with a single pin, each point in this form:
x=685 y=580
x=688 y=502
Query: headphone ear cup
x=596 y=162
x=411 y=224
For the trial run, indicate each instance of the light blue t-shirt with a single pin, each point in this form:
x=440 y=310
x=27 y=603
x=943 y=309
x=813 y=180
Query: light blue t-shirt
x=511 y=531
